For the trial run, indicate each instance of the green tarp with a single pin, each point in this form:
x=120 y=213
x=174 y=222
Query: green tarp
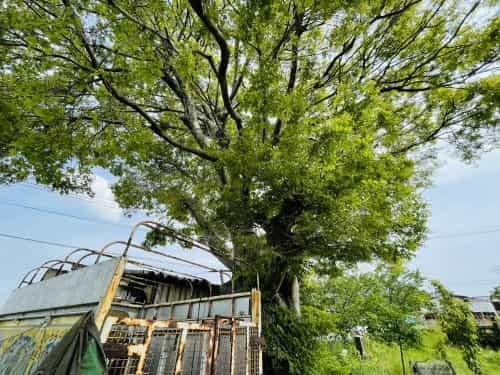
x=78 y=353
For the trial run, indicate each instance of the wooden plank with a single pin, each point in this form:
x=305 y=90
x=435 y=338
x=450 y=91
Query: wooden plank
x=215 y=350
x=256 y=308
x=211 y=346
x=105 y=305
x=247 y=351
x=233 y=346
x=180 y=352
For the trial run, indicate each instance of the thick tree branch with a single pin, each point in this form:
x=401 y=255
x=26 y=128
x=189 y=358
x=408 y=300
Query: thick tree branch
x=154 y=125
x=395 y=12
x=197 y=6
x=299 y=29
x=429 y=137
x=326 y=76
x=290 y=85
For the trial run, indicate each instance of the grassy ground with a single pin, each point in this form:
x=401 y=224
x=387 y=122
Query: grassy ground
x=385 y=360
x=388 y=358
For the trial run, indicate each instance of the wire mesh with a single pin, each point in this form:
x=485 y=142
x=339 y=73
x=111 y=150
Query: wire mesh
x=254 y=351
x=122 y=366
x=162 y=353
x=240 y=351
x=163 y=350
x=195 y=355
x=127 y=334
x=223 y=359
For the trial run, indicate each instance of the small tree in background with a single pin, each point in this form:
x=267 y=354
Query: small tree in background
x=386 y=302
x=457 y=322
x=401 y=301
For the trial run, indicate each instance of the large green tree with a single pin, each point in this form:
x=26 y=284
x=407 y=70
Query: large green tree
x=283 y=130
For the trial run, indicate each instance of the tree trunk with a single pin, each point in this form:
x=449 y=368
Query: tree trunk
x=295 y=295
x=289 y=293
x=288 y=296
x=402 y=357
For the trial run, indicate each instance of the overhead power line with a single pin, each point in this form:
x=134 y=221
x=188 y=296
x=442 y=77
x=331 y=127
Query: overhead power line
x=68 y=246
x=58 y=213
x=113 y=205
x=51 y=243
x=464 y=234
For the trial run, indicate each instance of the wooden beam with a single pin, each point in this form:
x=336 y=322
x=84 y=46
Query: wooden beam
x=105 y=305
x=180 y=352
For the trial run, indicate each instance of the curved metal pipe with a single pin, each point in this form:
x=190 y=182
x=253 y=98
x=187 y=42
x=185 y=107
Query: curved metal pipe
x=191 y=287
x=109 y=244
x=182 y=237
x=46 y=264
x=32 y=280
x=36 y=270
x=149 y=250
x=176 y=235
x=146 y=249
x=66 y=259
x=79 y=261
x=23 y=280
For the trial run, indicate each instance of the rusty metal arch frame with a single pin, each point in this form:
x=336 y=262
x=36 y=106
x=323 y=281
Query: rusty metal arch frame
x=49 y=264
x=102 y=252
x=78 y=250
x=24 y=281
x=154 y=267
x=149 y=250
x=175 y=234
x=128 y=244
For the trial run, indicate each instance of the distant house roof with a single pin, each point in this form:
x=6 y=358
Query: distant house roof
x=482 y=306
x=479 y=304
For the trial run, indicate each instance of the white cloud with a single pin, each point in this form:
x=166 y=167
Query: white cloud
x=452 y=170
x=105 y=204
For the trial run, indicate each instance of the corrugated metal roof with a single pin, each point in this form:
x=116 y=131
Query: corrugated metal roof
x=482 y=306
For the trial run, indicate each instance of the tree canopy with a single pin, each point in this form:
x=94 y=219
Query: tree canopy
x=387 y=301
x=386 y=304
x=285 y=130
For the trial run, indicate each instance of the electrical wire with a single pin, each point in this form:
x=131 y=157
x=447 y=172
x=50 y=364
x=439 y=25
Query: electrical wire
x=113 y=205
x=463 y=234
x=51 y=243
x=68 y=246
x=58 y=213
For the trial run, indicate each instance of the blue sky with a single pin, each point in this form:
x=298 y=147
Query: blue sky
x=462 y=250
x=463 y=246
